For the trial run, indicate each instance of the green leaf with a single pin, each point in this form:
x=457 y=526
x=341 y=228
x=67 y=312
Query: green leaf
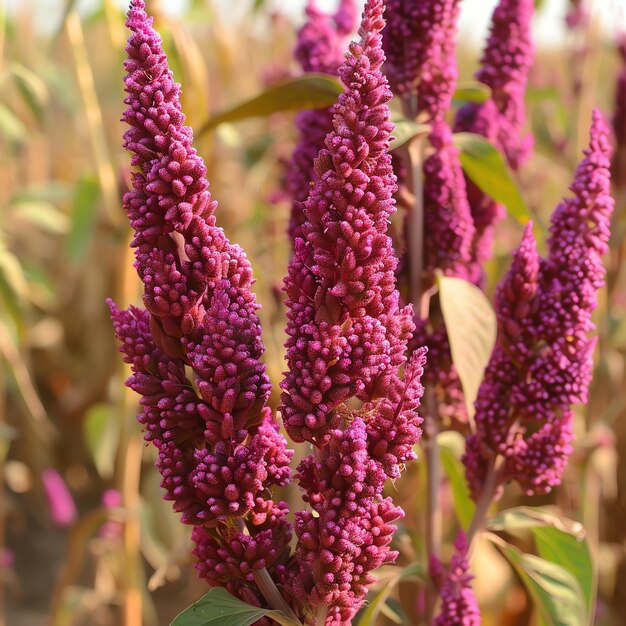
x=12 y=128
x=43 y=215
x=556 y=594
x=471 y=326
x=472 y=91
x=405 y=130
x=487 y=168
x=559 y=540
x=375 y=605
x=526 y=517
x=219 y=608
x=32 y=89
x=84 y=214
x=574 y=555
x=13 y=286
x=101 y=430
x=311 y=91
x=451 y=445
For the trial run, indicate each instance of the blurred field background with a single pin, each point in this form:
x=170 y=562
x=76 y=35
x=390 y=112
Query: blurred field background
x=84 y=535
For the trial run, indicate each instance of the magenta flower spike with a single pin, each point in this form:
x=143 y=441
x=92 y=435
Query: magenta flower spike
x=419 y=45
x=505 y=67
x=346 y=331
x=195 y=351
x=458 y=602
x=542 y=362
x=618 y=170
x=448 y=221
x=347 y=337
x=320 y=48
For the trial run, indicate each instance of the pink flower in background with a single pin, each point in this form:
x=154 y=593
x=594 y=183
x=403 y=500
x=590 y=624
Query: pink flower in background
x=505 y=67
x=419 y=45
x=60 y=501
x=458 y=602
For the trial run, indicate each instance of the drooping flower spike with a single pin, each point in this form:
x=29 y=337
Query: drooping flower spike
x=542 y=362
x=195 y=350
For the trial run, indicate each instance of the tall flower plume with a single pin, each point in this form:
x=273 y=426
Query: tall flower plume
x=542 y=362
x=347 y=336
x=320 y=48
x=419 y=43
x=219 y=449
x=505 y=66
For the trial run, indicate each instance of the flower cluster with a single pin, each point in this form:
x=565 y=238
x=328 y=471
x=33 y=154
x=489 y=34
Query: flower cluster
x=618 y=170
x=458 y=602
x=347 y=336
x=542 y=362
x=319 y=48
x=419 y=48
x=505 y=66
x=195 y=350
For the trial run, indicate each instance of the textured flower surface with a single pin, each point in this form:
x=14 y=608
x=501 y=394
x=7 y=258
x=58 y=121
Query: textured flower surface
x=419 y=44
x=458 y=602
x=320 y=47
x=195 y=350
x=347 y=337
x=542 y=362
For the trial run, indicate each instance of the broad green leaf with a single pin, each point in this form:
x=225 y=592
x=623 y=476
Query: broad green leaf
x=450 y=450
x=219 y=608
x=12 y=128
x=574 y=555
x=405 y=129
x=101 y=429
x=471 y=326
x=375 y=605
x=472 y=91
x=84 y=214
x=555 y=592
x=559 y=540
x=487 y=168
x=526 y=517
x=43 y=215
x=311 y=91
x=32 y=89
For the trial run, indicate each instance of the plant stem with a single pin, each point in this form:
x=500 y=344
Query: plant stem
x=431 y=452
x=322 y=614
x=433 y=500
x=267 y=586
x=492 y=482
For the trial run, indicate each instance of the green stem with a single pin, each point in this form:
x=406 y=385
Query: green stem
x=492 y=482
x=267 y=586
